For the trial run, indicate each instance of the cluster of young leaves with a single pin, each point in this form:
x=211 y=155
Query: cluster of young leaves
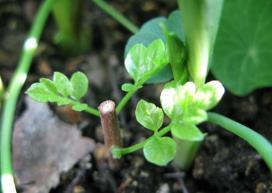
x=143 y=62
x=152 y=30
x=61 y=90
x=235 y=56
x=186 y=106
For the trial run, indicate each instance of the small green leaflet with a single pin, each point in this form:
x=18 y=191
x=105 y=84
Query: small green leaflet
x=40 y=93
x=143 y=62
x=80 y=84
x=61 y=90
x=209 y=95
x=62 y=83
x=242 y=54
x=149 y=115
x=186 y=131
x=127 y=87
x=169 y=99
x=160 y=150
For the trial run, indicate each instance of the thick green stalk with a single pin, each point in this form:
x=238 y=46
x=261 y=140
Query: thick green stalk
x=116 y=15
x=257 y=141
x=13 y=92
x=201 y=21
x=186 y=153
x=72 y=37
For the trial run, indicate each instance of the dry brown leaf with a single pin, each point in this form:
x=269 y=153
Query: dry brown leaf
x=44 y=147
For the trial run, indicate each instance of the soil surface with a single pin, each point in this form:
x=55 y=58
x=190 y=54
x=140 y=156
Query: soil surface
x=225 y=163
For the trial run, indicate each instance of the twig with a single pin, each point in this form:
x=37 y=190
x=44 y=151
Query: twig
x=111 y=130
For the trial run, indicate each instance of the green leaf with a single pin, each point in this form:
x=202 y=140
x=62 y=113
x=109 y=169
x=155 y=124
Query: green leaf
x=135 y=61
x=177 y=56
x=160 y=150
x=79 y=107
x=156 y=54
x=209 y=95
x=142 y=63
x=189 y=104
x=62 y=83
x=175 y=98
x=151 y=31
x=49 y=84
x=149 y=115
x=80 y=84
x=39 y=92
x=194 y=115
x=186 y=131
x=242 y=56
x=127 y=87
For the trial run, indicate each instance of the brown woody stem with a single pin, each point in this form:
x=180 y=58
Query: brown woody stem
x=111 y=130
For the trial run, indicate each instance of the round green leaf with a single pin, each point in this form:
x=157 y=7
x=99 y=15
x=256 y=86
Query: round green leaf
x=209 y=95
x=135 y=62
x=242 y=54
x=62 y=83
x=149 y=115
x=80 y=84
x=194 y=115
x=176 y=98
x=160 y=150
x=169 y=99
x=39 y=92
x=49 y=85
x=127 y=87
x=186 y=131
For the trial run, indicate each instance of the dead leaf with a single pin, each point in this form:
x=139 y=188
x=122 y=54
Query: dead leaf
x=44 y=147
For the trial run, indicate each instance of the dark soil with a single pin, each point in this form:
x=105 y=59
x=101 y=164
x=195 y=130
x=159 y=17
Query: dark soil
x=225 y=163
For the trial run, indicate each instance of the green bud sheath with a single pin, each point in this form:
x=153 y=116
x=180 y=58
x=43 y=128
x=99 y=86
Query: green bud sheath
x=201 y=20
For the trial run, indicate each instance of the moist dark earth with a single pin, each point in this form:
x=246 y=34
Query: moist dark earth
x=225 y=163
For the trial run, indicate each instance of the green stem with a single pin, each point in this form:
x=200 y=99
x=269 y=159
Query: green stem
x=92 y=111
x=89 y=109
x=116 y=15
x=125 y=99
x=262 y=145
x=200 y=22
x=140 y=145
x=13 y=92
x=1 y=91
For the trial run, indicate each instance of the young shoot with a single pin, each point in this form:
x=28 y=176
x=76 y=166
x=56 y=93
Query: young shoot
x=142 y=63
x=63 y=91
x=186 y=107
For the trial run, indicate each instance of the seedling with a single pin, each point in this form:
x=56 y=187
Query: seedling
x=185 y=104
x=185 y=98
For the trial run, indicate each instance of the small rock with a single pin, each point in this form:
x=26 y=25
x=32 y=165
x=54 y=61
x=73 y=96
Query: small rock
x=164 y=188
